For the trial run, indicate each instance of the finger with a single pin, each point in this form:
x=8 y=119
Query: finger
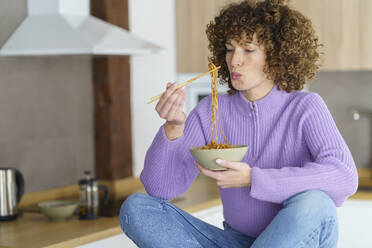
x=200 y=167
x=167 y=101
x=160 y=102
x=171 y=87
x=206 y=172
x=224 y=184
x=172 y=102
x=163 y=96
x=183 y=94
x=228 y=164
x=177 y=107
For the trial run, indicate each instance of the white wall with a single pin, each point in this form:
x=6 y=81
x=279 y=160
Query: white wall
x=155 y=22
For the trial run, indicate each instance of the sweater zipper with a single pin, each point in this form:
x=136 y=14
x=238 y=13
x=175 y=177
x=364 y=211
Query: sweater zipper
x=254 y=115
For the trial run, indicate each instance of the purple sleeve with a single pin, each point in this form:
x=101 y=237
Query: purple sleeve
x=169 y=168
x=332 y=169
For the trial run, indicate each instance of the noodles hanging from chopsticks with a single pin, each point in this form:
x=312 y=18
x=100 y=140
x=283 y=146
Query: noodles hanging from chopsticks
x=215 y=118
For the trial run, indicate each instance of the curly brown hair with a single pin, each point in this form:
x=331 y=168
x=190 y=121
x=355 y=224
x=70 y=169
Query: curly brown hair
x=291 y=45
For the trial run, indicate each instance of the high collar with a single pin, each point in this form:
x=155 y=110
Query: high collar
x=265 y=105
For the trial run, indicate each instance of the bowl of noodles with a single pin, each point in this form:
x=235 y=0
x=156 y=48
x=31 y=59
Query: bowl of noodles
x=207 y=156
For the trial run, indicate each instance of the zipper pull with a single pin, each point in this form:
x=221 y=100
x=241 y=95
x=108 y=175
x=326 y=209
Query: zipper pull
x=254 y=110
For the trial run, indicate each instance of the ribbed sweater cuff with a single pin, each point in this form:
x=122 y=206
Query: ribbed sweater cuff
x=161 y=154
x=162 y=140
x=272 y=185
x=261 y=185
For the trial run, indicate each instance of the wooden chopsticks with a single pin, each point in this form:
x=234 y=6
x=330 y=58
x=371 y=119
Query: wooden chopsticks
x=157 y=97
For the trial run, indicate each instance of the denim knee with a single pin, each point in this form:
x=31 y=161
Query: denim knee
x=314 y=204
x=133 y=207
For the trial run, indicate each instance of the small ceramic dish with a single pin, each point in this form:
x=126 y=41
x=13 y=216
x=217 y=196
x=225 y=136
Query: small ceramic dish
x=58 y=210
x=207 y=157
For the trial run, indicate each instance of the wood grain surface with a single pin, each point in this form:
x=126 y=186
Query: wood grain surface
x=343 y=27
x=112 y=111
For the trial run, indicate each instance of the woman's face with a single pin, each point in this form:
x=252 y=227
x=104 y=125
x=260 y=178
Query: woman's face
x=246 y=61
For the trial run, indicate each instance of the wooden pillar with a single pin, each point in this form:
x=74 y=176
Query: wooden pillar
x=111 y=79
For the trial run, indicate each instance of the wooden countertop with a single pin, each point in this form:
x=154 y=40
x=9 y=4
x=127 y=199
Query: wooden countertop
x=35 y=230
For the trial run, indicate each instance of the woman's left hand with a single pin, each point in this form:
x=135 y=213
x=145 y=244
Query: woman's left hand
x=238 y=174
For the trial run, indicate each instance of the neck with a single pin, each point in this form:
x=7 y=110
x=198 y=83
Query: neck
x=258 y=92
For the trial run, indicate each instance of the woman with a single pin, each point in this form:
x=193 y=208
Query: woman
x=298 y=168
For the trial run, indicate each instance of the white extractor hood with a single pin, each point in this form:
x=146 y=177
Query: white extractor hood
x=65 y=27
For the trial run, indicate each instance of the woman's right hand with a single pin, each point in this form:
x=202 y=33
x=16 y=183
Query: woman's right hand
x=170 y=108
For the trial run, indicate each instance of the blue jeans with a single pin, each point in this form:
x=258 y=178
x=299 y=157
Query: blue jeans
x=307 y=220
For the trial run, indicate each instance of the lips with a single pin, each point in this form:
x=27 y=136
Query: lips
x=235 y=75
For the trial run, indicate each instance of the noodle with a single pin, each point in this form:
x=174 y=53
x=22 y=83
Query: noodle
x=214 y=142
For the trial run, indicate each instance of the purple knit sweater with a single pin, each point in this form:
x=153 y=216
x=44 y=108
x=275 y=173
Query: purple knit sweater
x=294 y=145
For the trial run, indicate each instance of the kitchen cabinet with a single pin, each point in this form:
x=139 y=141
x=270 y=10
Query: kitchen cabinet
x=343 y=27
x=192 y=16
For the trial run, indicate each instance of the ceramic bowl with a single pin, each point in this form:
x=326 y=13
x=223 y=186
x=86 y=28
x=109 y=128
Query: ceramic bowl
x=207 y=158
x=58 y=210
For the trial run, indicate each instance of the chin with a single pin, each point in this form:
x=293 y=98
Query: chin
x=239 y=85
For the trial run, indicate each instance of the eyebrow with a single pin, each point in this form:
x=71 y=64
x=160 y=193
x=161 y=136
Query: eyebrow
x=249 y=43
x=244 y=43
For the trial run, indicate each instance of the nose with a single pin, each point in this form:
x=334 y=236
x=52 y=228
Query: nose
x=237 y=58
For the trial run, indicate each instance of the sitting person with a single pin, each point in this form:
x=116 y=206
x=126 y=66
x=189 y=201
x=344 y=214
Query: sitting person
x=298 y=168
